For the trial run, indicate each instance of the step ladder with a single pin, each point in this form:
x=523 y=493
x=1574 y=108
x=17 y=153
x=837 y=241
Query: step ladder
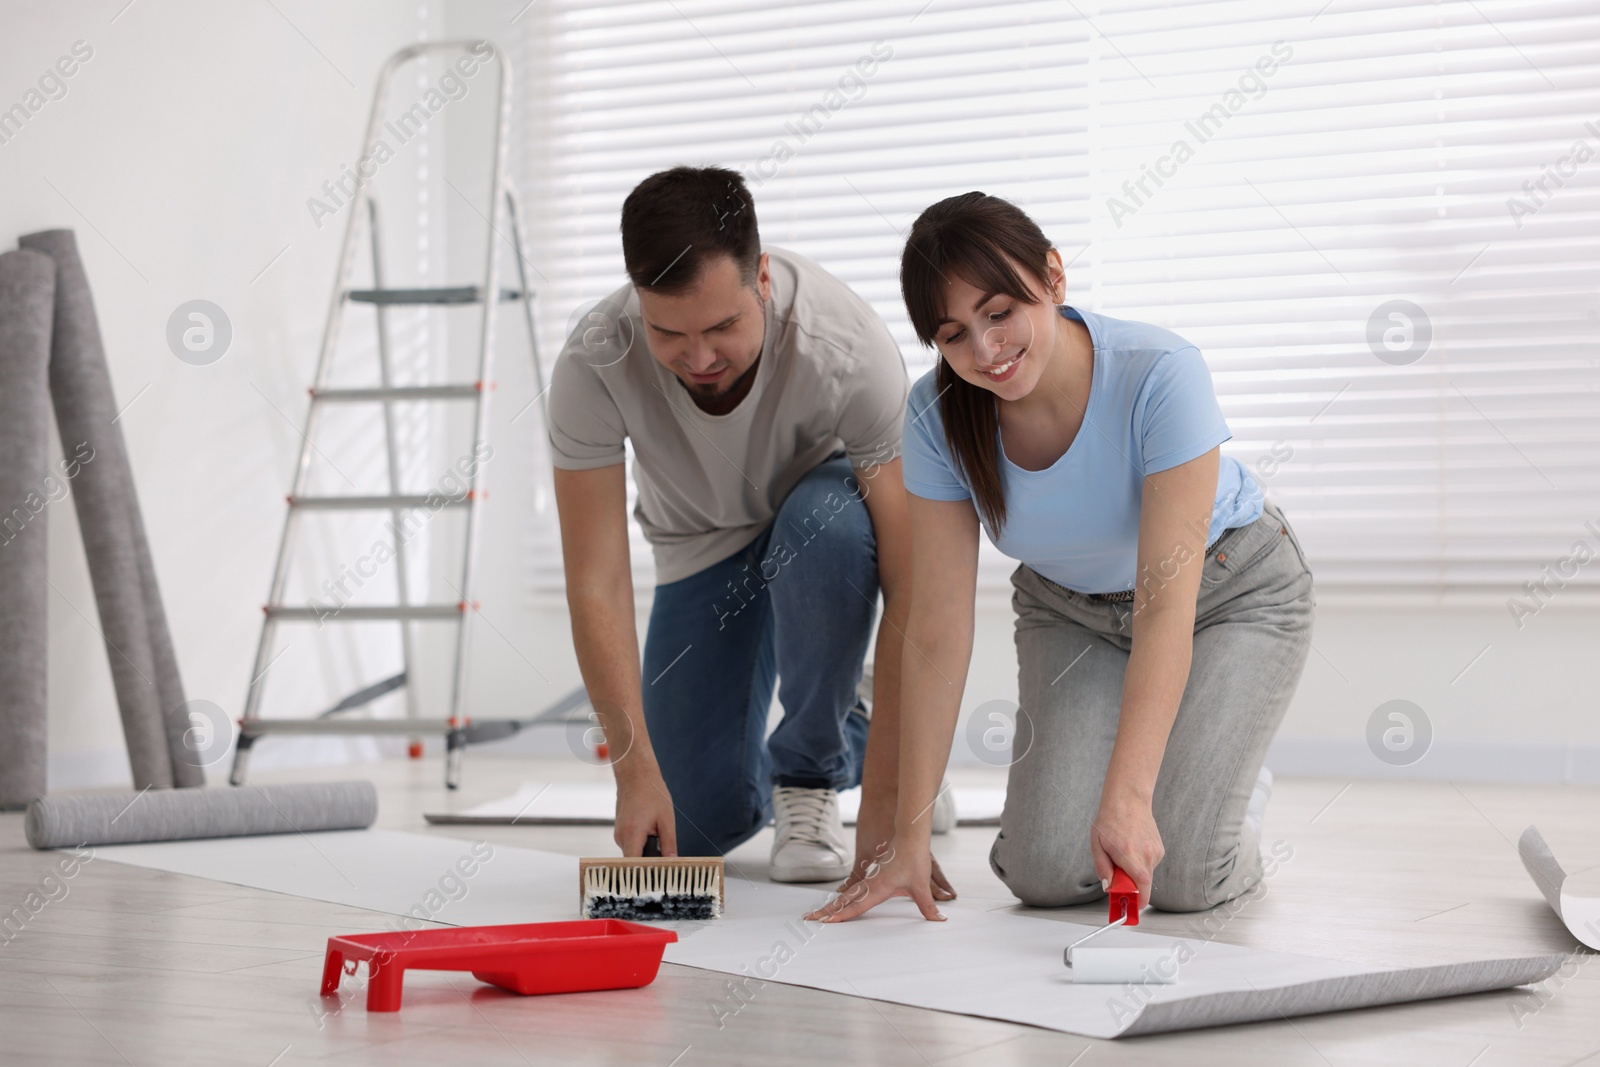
x=457 y=730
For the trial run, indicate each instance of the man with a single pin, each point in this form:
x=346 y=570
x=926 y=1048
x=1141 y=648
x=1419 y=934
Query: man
x=764 y=402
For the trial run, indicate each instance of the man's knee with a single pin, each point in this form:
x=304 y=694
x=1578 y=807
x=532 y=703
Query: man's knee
x=823 y=506
x=1044 y=878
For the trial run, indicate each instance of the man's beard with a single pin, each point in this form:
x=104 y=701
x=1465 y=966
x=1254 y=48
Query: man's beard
x=712 y=392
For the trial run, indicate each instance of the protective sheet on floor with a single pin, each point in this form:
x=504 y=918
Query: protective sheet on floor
x=992 y=964
x=1581 y=914
x=595 y=803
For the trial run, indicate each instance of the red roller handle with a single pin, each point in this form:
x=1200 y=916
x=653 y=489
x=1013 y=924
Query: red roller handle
x=1124 y=897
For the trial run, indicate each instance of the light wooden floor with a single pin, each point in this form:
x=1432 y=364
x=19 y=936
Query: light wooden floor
x=139 y=967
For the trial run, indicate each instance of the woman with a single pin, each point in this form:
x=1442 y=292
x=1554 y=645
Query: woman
x=1163 y=609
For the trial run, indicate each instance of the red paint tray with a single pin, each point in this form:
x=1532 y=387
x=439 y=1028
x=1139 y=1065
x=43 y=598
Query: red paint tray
x=564 y=957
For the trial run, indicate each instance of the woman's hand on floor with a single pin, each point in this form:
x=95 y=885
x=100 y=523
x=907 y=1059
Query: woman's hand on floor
x=906 y=871
x=1124 y=834
x=939 y=886
x=874 y=829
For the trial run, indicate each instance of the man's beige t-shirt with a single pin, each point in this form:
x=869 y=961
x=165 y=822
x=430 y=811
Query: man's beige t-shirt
x=830 y=378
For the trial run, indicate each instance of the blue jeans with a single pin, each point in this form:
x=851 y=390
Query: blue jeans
x=794 y=608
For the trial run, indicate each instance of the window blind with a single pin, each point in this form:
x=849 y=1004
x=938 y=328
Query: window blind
x=1377 y=220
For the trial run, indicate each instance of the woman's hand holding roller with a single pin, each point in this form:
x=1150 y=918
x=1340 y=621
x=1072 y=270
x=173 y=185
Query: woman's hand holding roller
x=1124 y=835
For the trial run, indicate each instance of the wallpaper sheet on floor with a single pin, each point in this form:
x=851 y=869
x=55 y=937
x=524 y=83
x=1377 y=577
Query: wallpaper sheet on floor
x=992 y=964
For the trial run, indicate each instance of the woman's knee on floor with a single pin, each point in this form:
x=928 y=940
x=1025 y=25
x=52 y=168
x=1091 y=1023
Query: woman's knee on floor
x=1043 y=877
x=1195 y=880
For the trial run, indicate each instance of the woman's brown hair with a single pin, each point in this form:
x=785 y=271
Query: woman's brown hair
x=981 y=239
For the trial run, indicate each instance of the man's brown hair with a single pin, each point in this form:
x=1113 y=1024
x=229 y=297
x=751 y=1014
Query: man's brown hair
x=676 y=221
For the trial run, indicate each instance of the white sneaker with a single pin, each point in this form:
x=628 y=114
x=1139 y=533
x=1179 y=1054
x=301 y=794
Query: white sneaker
x=809 y=846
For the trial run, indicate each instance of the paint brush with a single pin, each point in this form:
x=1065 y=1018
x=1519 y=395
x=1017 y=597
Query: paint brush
x=651 y=888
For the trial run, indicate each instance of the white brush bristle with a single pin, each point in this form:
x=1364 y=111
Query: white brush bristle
x=644 y=884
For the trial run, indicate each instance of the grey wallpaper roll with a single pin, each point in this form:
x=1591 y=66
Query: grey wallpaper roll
x=187 y=768
x=1400 y=985
x=180 y=815
x=27 y=486
x=143 y=667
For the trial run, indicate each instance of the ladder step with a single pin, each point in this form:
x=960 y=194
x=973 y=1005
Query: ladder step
x=448 y=294
x=380 y=503
x=399 y=392
x=290 y=613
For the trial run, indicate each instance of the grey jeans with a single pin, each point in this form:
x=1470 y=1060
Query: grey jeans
x=1252 y=633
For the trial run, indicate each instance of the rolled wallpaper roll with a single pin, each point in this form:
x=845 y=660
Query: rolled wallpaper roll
x=184 y=814
x=143 y=665
x=27 y=306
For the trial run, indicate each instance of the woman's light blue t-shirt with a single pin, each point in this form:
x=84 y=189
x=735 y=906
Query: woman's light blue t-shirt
x=1151 y=407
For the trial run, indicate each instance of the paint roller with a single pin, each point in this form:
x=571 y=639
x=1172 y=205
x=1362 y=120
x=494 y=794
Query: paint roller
x=1120 y=964
x=185 y=814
